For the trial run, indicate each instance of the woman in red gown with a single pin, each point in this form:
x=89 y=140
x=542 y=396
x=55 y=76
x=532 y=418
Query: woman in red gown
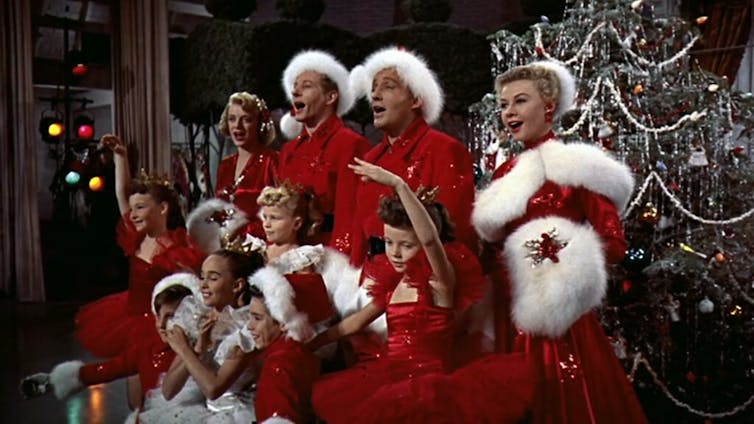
x=422 y=283
x=243 y=175
x=554 y=210
x=151 y=233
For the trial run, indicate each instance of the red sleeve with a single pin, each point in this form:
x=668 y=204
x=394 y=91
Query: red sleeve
x=603 y=216
x=179 y=254
x=123 y=365
x=384 y=278
x=284 y=387
x=126 y=235
x=345 y=195
x=454 y=173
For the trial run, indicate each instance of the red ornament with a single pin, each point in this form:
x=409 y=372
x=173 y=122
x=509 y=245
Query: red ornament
x=626 y=286
x=539 y=51
x=85 y=132
x=79 y=70
x=691 y=377
x=738 y=151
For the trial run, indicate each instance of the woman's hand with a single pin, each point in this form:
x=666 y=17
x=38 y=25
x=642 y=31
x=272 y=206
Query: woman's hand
x=114 y=143
x=371 y=172
x=177 y=339
x=203 y=342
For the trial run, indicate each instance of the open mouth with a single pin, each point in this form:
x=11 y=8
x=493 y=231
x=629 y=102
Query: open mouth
x=378 y=109
x=515 y=125
x=298 y=106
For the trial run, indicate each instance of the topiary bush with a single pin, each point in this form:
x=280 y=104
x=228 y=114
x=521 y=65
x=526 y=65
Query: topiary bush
x=232 y=10
x=427 y=10
x=300 y=10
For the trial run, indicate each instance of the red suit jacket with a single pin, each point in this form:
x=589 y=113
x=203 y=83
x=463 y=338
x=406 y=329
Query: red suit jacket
x=260 y=171
x=287 y=370
x=421 y=156
x=319 y=162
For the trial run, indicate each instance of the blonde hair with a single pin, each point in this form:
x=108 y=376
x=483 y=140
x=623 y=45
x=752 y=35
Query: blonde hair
x=253 y=104
x=301 y=204
x=545 y=80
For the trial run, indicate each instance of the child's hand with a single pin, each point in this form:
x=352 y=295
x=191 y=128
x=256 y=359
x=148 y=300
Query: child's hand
x=371 y=172
x=203 y=342
x=114 y=143
x=177 y=339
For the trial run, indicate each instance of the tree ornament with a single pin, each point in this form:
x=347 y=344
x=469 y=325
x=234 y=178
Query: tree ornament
x=713 y=88
x=626 y=285
x=701 y=20
x=706 y=306
x=642 y=42
x=635 y=5
x=649 y=215
x=619 y=346
x=719 y=257
x=638 y=89
x=691 y=377
x=736 y=311
x=698 y=157
x=636 y=259
x=539 y=51
x=688 y=249
x=672 y=307
x=738 y=151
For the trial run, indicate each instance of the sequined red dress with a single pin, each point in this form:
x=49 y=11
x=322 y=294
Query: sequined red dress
x=109 y=326
x=577 y=190
x=260 y=171
x=416 y=380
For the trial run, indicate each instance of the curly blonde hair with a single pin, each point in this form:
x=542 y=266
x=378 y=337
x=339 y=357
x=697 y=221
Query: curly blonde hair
x=545 y=80
x=255 y=105
x=301 y=204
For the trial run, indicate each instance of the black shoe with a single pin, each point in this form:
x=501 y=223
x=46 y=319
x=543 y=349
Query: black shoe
x=35 y=385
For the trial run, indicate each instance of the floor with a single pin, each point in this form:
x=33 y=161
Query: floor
x=36 y=337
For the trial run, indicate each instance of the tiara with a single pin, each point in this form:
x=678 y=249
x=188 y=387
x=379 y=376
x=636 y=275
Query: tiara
x=153 y=179
x=427 y=195
x=247 y=246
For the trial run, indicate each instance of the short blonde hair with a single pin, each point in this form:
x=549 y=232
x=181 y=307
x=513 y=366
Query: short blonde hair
x=253 y=104
x=545 y=80
x=301 y=204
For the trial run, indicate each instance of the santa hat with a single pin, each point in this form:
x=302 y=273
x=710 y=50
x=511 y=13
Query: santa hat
x=414 y=72
x=294 y=300
x=212 y=221
x=326 y=64
x=185 y=279
x=567 y=85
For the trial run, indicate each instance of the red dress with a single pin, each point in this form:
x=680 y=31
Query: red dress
x=577 y=190
x=319 y=162
x=260 y=171
x=416 y=381
x=109 y=326
x=421 y=156
x=287 y=370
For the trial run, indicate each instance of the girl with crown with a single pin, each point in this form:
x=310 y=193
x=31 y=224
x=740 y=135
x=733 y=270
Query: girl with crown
x=152 y=235
x=554 y=209
x=242 y=175
x=423 y=283
x=220 y=356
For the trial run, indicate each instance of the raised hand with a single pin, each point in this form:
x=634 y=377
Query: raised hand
x=371 y=172
x=114 y=143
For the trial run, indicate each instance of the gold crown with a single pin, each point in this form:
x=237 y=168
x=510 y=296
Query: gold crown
x=427 y=195
x=243 y=245
x=153 y=179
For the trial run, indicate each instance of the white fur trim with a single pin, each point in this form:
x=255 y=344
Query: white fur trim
x=324 y=63
x=185 y=279
x=290 y=127
x=277 y=420
x=574 y=165
x=414 y=72
x=65 y=379
x=567 y=86
x=208 y=234
x=279 y=298
x=550 y=297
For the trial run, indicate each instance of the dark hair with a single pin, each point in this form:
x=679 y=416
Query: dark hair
x=256 y=292
x=171 y=294
x=392 y=213
x=161 y=192
x=242 y=266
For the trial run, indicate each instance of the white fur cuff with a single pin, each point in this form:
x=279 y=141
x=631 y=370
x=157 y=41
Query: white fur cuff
x=65 y=378
x=548 y=298
x=277 y=420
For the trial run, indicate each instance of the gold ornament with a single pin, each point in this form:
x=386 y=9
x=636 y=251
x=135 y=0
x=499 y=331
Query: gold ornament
x=702 y=20
x=650 y=214
x=638 y=89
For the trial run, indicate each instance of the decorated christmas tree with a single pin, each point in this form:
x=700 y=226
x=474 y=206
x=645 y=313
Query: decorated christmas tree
x=680 y=308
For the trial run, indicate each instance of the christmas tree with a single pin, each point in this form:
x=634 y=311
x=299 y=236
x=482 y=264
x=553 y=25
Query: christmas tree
x=680 y=308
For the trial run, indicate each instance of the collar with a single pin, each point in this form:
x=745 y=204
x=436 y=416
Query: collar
x=325 y=130
x=541 y=140
x=406 y=141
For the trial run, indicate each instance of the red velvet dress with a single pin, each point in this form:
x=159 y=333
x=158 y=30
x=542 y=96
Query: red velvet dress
x=109 y=326
x=416 y=380
x=260 y=171
x=319 y=162
x=287 y=370
x=580 y=379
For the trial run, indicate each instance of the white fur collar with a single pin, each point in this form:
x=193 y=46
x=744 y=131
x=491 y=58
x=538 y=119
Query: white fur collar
x=574 y=164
